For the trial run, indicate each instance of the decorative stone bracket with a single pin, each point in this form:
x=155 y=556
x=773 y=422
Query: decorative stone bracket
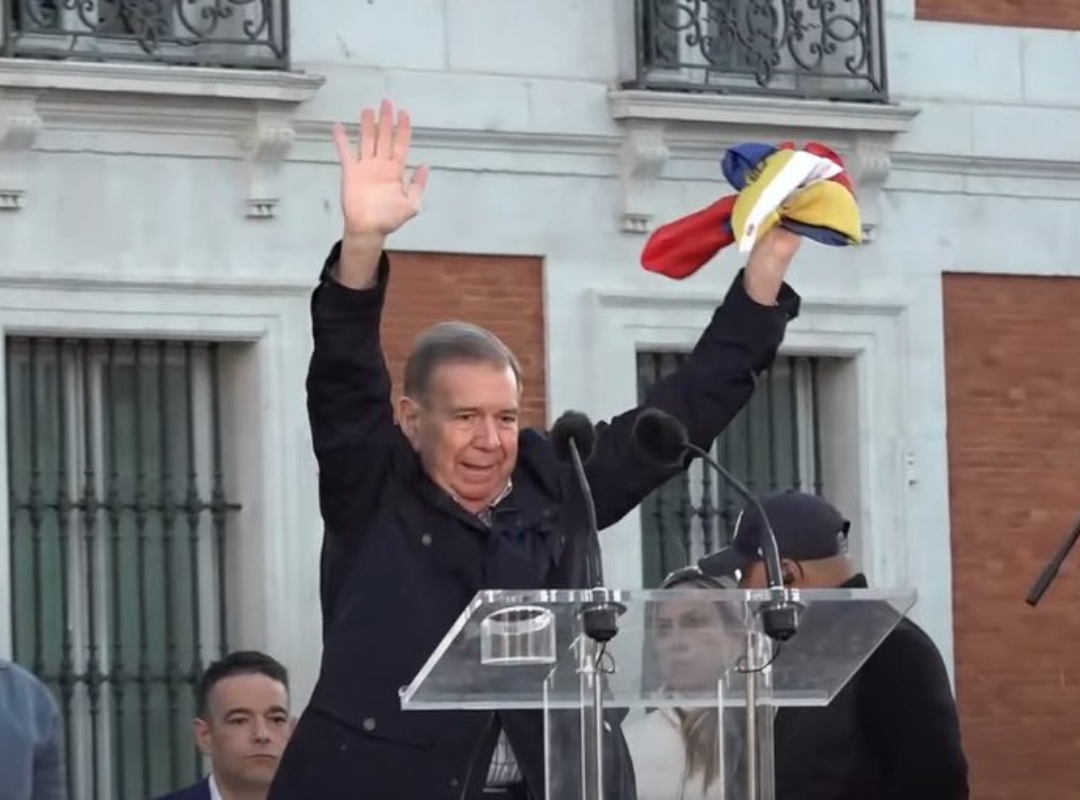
x=868 y=164
x=659 y=127
x=642 y=156
x=19 y=128
x=241 y=113
x=265 y=144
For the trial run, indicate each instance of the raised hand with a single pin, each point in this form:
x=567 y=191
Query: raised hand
x=768 y=264
x=376 y=198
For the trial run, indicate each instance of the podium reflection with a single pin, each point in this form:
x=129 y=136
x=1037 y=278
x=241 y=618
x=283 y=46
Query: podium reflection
x=679 y=751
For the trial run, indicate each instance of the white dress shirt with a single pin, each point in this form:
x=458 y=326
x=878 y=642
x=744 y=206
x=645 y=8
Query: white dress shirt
x=659 y=758
x=215 y=792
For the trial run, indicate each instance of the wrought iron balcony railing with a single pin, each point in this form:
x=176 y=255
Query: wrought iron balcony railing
x=821 y=49
x=252 y=34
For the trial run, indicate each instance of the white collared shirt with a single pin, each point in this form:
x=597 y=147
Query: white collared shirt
x=215 y=792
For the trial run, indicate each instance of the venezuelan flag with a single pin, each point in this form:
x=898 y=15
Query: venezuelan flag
x=807 y=191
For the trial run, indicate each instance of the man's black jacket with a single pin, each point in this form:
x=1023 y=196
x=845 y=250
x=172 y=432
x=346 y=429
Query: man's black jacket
x=892 y=733
x=401 y=560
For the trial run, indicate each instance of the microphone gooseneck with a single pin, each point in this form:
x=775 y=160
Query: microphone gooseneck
x=664 y=440
x=573 y=438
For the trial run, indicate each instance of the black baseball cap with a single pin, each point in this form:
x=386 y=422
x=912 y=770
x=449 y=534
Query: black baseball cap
x=807 y=528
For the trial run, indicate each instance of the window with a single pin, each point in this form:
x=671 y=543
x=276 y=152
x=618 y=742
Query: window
x=772 y=444
x=798 y=48
x=695 y=43
x=213 y=33
x=119 y=526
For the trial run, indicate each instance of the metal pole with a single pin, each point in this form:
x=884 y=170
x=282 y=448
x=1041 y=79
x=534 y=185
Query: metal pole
x=592 y=724
x=721 y=741
x=751 y=744
x=598 y=729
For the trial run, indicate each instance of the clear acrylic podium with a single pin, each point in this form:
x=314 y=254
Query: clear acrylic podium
x=699 y=679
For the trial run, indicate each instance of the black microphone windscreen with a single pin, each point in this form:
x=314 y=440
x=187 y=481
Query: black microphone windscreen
x=573 y=425
x=660 y=437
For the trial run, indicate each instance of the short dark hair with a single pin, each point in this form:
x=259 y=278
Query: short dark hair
x=447 y=342
x=241 y=662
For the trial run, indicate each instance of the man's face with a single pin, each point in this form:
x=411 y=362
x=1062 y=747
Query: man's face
x=246 y=731
x=466 y=430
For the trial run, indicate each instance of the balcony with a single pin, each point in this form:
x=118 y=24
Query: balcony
x=808 y=49
x=235 y=34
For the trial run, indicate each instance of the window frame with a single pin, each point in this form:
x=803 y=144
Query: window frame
x=278 y=536
x=690 y=491
x=868 y=466
x=83 y=362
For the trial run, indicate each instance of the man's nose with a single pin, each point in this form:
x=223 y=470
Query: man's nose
x=487 y=435
x=262 y=732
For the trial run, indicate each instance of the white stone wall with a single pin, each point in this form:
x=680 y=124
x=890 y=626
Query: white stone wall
x=138 y=184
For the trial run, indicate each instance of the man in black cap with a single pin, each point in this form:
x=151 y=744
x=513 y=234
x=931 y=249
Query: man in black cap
x=893 y=732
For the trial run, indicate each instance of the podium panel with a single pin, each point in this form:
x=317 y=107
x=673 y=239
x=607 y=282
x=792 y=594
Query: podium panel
x=700 y=680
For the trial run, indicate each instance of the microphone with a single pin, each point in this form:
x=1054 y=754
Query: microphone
x=573 y=438
x=662 y=439
x=1050 y=571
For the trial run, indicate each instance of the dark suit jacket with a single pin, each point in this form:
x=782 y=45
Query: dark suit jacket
x=401 y=560
x=197 y=791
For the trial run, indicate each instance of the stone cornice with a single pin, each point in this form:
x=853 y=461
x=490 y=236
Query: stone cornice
x=252 y=110
x=115 y=78
x=136 y=109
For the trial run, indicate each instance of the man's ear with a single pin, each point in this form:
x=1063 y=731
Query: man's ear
x=202 y=736
x=791 y=571
x=408 y=413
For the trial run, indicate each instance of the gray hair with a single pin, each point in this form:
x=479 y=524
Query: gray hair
x=449 y=342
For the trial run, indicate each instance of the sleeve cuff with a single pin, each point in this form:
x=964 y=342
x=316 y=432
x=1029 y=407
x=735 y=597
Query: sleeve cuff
x=332 y=300
x=787 y=301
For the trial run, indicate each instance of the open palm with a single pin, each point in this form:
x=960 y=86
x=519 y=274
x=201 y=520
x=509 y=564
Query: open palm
x=376 y=200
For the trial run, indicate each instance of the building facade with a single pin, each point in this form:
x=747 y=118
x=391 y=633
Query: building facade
x=169 y=189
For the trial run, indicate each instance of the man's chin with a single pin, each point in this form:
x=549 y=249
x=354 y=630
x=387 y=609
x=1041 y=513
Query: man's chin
x=479 y=489
x=258 y=772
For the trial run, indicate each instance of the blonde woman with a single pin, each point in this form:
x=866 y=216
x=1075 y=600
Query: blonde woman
x=677 y=751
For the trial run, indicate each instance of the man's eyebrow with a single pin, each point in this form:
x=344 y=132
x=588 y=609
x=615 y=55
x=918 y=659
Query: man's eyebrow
x=241 y=710
x=475 y=410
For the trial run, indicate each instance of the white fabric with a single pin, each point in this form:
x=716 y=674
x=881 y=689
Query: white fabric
x=504 y=768
x=215 y=792
x=656 y=750
x=802 y=170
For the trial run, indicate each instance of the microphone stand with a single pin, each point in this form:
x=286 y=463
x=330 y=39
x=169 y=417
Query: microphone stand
x=1050 y=571
x=600 y=618
x=780 y=615
x=600 y=622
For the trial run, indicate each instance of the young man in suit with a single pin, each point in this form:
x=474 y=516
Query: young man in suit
x=242 y=727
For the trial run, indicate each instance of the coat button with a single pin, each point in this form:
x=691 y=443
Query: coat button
x=369 y=724
x=426 y=540
x=453 y=783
